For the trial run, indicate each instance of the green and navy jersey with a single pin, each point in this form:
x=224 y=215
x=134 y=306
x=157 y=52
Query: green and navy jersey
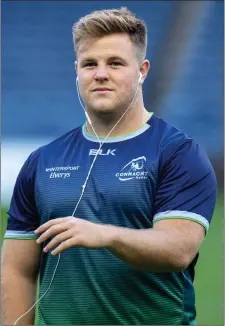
x=154 y=173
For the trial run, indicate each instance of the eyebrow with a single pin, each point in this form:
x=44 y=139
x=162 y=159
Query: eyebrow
x=109 y=59
x=116 y=58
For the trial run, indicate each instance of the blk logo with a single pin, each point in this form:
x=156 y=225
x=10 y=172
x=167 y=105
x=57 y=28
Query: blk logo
x=102 y=152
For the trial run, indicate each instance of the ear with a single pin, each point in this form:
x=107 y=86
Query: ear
x=144 y=69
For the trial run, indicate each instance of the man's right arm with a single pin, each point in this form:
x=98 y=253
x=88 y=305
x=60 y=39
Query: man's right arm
x=20 y=268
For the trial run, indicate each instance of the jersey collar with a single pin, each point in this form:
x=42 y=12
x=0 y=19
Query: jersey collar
x=116 y=139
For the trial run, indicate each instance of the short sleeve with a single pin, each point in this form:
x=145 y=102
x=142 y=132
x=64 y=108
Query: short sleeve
x=23 y=217
x=187 y=186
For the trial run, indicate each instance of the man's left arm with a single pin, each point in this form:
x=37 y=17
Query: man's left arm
x=183 y=207
x=170 y=246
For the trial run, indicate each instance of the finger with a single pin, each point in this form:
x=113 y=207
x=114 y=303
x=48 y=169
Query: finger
x=58 y=239
x=63 y=246
x=52 y=231
x=50 y=223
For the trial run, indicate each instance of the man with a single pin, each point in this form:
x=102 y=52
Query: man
x=125 y=200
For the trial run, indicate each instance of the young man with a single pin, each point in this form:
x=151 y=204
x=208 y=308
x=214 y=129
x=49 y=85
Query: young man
x=126 y=200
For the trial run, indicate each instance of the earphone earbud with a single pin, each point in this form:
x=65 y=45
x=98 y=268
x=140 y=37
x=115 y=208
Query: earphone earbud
x=140 y=80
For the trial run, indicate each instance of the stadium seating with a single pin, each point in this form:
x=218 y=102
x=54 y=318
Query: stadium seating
x=38 y=80
x=195 y=103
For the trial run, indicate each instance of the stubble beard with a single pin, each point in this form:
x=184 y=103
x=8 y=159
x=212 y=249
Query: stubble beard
x=108 y=115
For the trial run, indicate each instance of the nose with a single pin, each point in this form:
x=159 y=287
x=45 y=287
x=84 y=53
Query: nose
x=101 y=75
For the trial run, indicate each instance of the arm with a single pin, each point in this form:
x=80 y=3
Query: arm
x=20 y=266
x=185 y=199
x=169 y=247
x=21 y=254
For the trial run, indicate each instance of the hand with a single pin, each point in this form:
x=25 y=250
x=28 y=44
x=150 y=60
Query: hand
x=72 y=231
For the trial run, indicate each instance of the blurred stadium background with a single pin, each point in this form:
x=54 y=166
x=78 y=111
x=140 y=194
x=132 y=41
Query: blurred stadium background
x=185 y=87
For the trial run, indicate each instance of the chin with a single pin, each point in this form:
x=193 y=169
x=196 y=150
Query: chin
x=103 y=108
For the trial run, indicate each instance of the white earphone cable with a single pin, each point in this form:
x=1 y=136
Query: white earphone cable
x=88 y=175
x=42 y=295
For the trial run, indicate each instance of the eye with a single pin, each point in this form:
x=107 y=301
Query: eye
x=90 y=64
x=116 y=63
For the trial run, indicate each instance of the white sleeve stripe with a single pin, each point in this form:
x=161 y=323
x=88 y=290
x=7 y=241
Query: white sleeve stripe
x=182 y=214
x=20 y=235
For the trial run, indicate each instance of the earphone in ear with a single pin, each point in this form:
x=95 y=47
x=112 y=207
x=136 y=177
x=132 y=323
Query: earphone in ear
x=140 y=80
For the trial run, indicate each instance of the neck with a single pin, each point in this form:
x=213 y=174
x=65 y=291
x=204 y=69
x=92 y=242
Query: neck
x=133 y=120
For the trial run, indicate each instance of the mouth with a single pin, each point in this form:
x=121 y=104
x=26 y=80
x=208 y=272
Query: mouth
x=102 y=90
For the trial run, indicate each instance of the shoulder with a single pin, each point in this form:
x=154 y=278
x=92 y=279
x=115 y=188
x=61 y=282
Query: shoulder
x=56 y=145
x=50 y=149
x=172 y=140
x=169 y=137
x=62 y=142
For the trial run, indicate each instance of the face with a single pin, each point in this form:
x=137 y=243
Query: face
x=108 y=72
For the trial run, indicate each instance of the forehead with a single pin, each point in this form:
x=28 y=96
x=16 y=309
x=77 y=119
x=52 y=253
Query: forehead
x=115 y=45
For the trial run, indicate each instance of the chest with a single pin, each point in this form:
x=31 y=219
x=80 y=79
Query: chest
x=119 y=186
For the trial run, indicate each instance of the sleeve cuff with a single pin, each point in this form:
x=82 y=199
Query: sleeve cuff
x=26 y=235
x=182 y=215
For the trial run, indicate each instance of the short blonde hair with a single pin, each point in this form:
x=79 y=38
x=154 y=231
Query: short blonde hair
x=110 y=21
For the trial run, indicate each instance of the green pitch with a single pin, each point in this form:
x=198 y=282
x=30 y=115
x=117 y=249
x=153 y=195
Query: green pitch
x=209 y=281
x=209 y=272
